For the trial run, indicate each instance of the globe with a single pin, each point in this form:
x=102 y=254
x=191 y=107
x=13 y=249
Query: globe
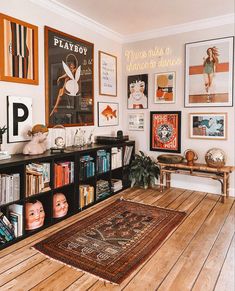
x=215 y=158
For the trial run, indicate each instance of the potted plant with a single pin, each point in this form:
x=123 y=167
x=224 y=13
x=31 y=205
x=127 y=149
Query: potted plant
x=143 y=171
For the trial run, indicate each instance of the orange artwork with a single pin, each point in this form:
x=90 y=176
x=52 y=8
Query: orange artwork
x=165 y=87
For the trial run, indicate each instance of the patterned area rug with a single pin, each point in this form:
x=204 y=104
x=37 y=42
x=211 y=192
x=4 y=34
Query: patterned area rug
x=114 y=241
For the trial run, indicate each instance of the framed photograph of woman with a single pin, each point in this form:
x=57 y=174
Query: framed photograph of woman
x=164 y=88
x=69 y=79
x=165 y=131
x=18 y=51
x=137 y=91
x=209 y=73
x=208 y=125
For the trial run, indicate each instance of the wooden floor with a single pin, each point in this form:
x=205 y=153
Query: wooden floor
x=198 y=255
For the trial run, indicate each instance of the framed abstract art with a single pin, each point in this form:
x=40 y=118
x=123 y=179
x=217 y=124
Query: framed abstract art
x=209 y=67
x=165 y=131
x=18 y=51
x=164 y=88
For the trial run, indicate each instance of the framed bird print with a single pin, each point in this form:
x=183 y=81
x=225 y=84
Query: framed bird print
x=69 y=79
x=18 y=51
x=108 y=114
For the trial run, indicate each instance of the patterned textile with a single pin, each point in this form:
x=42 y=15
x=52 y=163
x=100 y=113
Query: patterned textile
x=114 y=241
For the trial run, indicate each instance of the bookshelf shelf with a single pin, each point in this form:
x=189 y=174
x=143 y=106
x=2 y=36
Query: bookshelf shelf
x=83 y=174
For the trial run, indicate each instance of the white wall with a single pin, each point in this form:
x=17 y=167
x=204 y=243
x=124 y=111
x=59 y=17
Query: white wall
x=29 y=12
x=176 y=44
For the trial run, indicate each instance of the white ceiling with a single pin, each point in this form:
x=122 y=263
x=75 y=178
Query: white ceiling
x=128 y=17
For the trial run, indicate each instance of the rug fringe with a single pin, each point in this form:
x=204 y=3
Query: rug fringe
x=75 y=268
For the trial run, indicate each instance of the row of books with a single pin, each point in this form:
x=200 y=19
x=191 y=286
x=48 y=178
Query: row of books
x=116 y=185
x=64 y=173
x=86 y=195
x=127 y=155
x=102 y=189
x=37 y=178
x=9 y=188
x=116 y=157
x=103 y=161
x=87 y=167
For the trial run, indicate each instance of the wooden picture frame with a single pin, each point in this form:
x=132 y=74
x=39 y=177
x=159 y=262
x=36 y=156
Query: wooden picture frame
x=108 y=114
x=209 y=70
x=18 y=51
x=164 y=89
x=165 y=131
x=137 y=91
x=107 y=74
x=136 y=121
x=208 y=125
x=69 y=78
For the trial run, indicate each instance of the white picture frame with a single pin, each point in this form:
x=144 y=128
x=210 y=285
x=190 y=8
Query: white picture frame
x=164 y=88
x=136 y=121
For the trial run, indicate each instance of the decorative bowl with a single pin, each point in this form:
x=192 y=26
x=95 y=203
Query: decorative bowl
x=170 y=159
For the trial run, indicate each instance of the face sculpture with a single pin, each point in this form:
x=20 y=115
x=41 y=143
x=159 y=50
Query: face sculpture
x=59 y=142
x=35 y=215
x=60 y=205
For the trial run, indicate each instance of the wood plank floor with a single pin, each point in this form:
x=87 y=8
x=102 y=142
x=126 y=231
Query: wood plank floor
x=198 y=255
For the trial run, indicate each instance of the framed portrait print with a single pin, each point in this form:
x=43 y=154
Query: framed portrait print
x=136 y=121
x=164 y=87
x=19 y=118
x=108 y=114
x=165 y=131
x=208 y=125
x=209 y=69
x=137 y=91
x=69 y=77
x=107 y=74
x=18 y=51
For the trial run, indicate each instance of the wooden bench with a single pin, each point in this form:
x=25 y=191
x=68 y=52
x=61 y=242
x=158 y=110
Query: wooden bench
x=199 y=170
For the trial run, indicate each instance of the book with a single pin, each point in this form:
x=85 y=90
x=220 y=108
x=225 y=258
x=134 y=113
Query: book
x=17 y=209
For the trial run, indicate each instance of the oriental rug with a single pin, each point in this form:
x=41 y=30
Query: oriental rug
x=114 y=241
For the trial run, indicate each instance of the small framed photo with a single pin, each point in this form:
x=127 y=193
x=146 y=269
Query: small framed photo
x=165 y=131
x=208 y=125
x=107 y=74
x=137 y=91
x=108 y=114
x=164 y=87
x=209 y=73
x=18 y=51
x=136 y=121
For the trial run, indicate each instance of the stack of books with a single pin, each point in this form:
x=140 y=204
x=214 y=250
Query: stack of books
x=127 y=155
x=6 y=230
x=37 y=178
x=9 y=188
x=103 y=161
x=102 y=189
x=86 y=195
x=116 y=185
x=16 y=218
x=116 y=158
x=87 y=167
x=64 y=173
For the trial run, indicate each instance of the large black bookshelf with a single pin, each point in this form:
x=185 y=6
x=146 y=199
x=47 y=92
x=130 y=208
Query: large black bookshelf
x=87 y=178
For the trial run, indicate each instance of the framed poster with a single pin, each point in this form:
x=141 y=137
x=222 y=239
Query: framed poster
x=136 y=121
x=69 y=79
x=164 y=87
x=107 y=74
x=137 y=91
x=19 y=118
x=209 y=73
x=108 y=114
x=165 y=131
x=208 y=125
x=18 y=51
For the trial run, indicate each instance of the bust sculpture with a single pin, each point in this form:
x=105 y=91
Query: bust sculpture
x=60 y=205
x=34 y=215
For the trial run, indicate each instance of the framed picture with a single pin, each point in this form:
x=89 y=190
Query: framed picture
x=136 y=121
x=108 y=114
x=208 y=125
x=69 y=77
x=209 y=73
x=107 y=74
x=137 y=91
x=165 y=131
x=19 y=118
x=18 y=51
x=164 y=87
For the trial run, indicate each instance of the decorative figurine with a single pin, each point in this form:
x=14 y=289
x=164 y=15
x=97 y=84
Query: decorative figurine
x=60 y=205
x=59 y=134
x=215 y=158
x=34 y=215
x=79 y=138
x=37 y=145
x=90 y=139
x=3 y=154
x=190 y=156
